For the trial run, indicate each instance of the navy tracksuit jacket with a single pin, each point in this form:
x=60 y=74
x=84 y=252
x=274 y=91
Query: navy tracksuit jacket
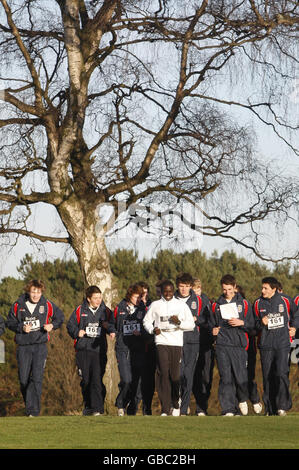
x=83 y=318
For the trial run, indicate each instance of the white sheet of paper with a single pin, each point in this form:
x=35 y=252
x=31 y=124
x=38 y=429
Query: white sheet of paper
x=229 y=311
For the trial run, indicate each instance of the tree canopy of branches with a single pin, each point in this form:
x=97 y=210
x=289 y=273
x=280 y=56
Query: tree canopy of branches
x=130 y=103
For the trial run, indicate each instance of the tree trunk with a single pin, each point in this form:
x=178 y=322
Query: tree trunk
x=88 y=241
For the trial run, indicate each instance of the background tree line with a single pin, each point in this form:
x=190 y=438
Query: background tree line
x=65 y=286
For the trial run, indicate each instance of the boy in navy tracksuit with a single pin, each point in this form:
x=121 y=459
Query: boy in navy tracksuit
x=276 y=319
x=32 y=317
x=87 y=326
x=203 y=374
x=230 y=321
x=190 y=352
x=130 y=349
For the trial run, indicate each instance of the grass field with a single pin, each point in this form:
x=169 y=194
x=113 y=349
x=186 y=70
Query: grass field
x=150 y=432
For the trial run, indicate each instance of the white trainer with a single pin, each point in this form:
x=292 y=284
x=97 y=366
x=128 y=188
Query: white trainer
x=121 y=412
x=282 y=413
x=229 y=414
x=243 y=408
x=176 y=412
x=257 y=408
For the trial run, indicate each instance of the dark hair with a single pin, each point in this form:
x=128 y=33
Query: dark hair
x=133 y=289
x=241 y=291
x=228 y=279
x=184 y=278
x=165 y=283
x=272 y=281
x=143 y=284
x=92 y=290
x=35 y=283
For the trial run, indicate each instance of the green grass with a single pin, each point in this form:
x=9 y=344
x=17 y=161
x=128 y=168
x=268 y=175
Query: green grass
x=150 y=432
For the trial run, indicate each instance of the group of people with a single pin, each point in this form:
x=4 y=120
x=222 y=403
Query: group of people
x=170 y=344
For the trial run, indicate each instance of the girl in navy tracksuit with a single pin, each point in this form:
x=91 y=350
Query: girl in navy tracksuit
x=130 y=347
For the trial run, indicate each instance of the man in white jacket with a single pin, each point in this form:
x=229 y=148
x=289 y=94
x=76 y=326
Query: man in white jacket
x=167 y=319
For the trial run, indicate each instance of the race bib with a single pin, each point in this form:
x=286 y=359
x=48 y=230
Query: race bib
x=130 y=327
x=34 y=323
x=165 y=325
x=93 y=330
x=275 y=320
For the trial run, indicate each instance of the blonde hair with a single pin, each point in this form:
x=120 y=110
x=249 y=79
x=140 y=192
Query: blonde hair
x=196 y=283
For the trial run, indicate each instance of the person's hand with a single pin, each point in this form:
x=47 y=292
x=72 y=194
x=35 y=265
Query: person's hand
x=292 y=331
x=265 y=320
x=174 y=319
x=48 y=327
x=236 y=322
x=215 y=330
x=136 y=333
x=157 y=331
x=27 y=328
x=112 y=335
x=81 y=333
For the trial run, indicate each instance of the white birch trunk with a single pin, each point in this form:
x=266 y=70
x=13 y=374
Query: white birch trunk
x=89 y=244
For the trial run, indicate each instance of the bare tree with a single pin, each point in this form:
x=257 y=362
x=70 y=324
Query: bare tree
x=130 y=101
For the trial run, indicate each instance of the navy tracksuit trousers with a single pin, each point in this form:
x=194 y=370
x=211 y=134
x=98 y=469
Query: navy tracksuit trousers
x=131 y=370
x=275 y=369
x=89 y=366
x=232 y=368
x=31 y=364
x=188 y=364
x=203 y=376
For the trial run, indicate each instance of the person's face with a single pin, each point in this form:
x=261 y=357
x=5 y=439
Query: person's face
x=184 y=289
x=95 y=300
x=267 y=291
x=135 y=299
x=144 y=296
x=35 y=294
x=197 y=290
x=168 y=292
x=228 y=291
